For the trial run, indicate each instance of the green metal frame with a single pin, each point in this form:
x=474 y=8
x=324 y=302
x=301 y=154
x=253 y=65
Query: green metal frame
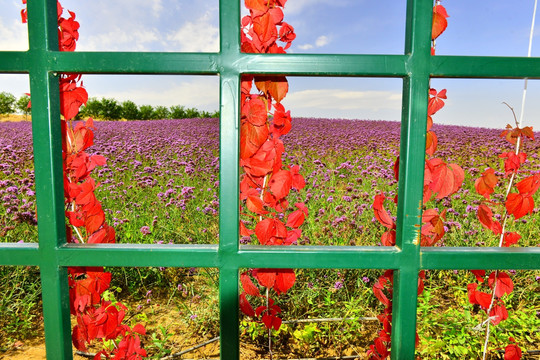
x=52 y=255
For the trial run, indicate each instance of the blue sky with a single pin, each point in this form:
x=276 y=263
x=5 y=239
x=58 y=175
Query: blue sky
x=496 y=27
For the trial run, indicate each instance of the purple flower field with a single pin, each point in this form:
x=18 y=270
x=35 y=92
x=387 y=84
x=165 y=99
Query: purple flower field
x=161 y=181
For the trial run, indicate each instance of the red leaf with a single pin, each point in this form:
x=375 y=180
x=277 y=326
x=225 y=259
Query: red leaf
x=485 y=216
x=295 y=219
x=278 y=88
x=433 y=228
x=245 y=306
x=503 y=281
x=512 y=352
x=280 y=184
x=75 y=218
x=443 y=179
x=378 y=290
x=298 y=181
x=266 y=277
x=435 y=102
x=513 y=162
x=251 y=139
x=519 y=205
x=254 y=111
x=499 y=312
x=78 y=338
x=271 y=232
x=388 y=238
x=471 y=293
x=271 y=322
x=71 y=99
x=285 y=279
x=431 y=143
x=511 y=238
x=244 y=231
x=439 y=21
x=265 y=30
x=248 y=285
x=256 y=205
x=512 y=134
x=256 y=7
x=479 y=274
x=94 y=218
x=529 y=185
x=139 y=329
x=380 y=212
x=483 y=299
x=105 y=235
x=485 y=184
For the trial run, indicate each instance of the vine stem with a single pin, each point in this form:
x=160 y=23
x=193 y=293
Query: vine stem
x=269 y=329
x=510 y=183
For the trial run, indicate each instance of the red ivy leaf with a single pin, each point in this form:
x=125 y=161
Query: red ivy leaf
x=519 y=205
x=255 y=112
x=479 y=274
x=485 y=184
x=485 y=216
x=435 y=102
x=280 y=184
x=511 y=238
x=248 y=285
x=513 y=162
x=439 y=21
x=512 y=352
x=245 y=306
x=270 y=232
x=499 y=313
x=431 y=143
x=529 y=185
x=443 y=179
x=256 y=205
x=380 y=212
x=251 y=139
x=503 y=281
x=388 y=238
x=285 y=279
x=266 y=277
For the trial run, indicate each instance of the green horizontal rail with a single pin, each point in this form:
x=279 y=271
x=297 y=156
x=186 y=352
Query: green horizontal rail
x=290 y=64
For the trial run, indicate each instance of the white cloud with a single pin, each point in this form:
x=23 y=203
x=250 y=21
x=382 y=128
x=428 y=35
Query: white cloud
x=120 y=40
x=345 y=103
x=321 y=41
x=198 y=36
x=13 y=35
x=305 y=47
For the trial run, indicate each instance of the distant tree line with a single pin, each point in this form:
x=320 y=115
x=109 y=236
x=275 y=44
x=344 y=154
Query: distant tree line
x=111 y=109
x=9 y=104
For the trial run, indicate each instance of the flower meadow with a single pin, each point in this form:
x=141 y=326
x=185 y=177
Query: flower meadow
x=161 y=180
x=161 y=185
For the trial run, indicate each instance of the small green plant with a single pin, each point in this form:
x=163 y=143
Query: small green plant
x=159 y=343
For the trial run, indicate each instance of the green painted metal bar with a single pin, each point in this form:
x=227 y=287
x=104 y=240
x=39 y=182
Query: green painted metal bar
x=14 y=61
x=411 y=180
x=480 y=258
x=19 y=254
x=47 y=144
x=275 y=257
x=134 y=62
x=229 y=24
x=485 y=67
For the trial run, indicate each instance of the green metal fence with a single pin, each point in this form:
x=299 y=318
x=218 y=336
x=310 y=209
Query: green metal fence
x=52 y=255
